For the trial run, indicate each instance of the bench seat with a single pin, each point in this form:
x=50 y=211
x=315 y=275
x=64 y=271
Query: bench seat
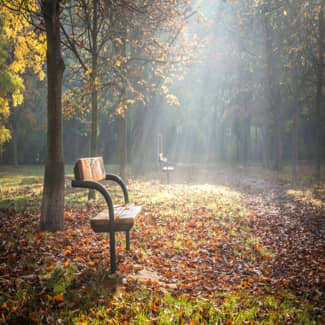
x=124 y=218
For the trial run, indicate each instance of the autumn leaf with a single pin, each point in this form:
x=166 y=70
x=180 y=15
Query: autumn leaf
x=59 y=298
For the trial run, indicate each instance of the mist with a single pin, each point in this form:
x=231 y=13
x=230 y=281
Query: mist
x=238 y=86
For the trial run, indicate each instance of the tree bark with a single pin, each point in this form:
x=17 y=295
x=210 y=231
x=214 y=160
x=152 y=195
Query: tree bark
x=94 y=93
x=295 y=142
x=271 y=120
x=123 y=149
x=52 y=210
x=123 y=128
x=14 y=148
x=320 y=69
x=277 y=141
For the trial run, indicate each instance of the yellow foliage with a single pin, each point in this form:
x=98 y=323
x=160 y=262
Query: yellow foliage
x=4 y=135
x=172 y=100
x=29 y=48
x=26 y=50
x=4 y=107
x=17 y=98
x=164 y=89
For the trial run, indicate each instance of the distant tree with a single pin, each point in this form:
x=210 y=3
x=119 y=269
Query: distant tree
x=319 y=86
x=124 y=50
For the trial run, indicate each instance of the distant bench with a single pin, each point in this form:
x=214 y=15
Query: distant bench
x=89 y=172
x=165 y=166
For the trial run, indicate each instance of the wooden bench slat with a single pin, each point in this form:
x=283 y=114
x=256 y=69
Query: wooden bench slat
x=90 y=169
x=124 y=218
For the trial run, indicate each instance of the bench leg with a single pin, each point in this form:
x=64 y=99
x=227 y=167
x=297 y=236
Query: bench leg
x=127 y=240
x=112 y=251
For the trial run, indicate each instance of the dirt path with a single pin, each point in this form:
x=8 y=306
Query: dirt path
x=293 y=230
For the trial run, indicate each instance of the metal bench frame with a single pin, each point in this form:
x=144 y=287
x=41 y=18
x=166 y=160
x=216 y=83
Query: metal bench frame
x=99 y=187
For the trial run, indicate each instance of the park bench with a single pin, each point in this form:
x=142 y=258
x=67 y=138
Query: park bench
x=89 y=172
x=165 y=166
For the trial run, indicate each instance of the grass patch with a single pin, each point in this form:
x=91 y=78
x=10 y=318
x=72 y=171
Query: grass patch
x=145 y=307
x=312 y=195
x=21 y=188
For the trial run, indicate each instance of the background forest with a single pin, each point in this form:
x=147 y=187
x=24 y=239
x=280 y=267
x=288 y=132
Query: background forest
x=231 y=92
x=233 y=81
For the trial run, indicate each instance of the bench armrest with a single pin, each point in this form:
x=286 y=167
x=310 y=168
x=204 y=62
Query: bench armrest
x=118 y=180
x=99 y=187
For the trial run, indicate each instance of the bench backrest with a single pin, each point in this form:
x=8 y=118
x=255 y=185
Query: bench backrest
x=90 y=169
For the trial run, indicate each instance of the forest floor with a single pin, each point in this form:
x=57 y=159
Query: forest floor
x=216 y=246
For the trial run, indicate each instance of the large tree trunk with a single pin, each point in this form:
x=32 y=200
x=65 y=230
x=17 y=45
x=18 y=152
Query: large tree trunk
x=320 y=69
x=52 y=211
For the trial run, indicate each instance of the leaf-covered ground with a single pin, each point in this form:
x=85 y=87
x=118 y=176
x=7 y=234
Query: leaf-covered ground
x=233 y=249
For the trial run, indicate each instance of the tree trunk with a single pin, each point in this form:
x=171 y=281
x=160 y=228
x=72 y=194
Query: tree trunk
x=212 y=155
x=265 y=146
x=222 y=150
x=247 y=140
x=320 y=69
x=94 y=102
x=14 y=148
x=94 y=123
x=52 y=210
x=14 y=116
x=294 y=143
x=94 y=130
x=123 y=149
x=270 y=120
x=277 y=141
x=138 y=134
